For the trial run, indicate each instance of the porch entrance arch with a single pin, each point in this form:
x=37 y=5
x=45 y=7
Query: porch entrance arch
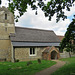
x=54 y=55
x=50 y=53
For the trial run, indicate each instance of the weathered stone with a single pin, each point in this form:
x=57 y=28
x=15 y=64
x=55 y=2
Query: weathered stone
x=6 y=27
x=23 y=54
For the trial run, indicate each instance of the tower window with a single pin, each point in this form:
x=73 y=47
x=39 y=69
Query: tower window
x=5 y=16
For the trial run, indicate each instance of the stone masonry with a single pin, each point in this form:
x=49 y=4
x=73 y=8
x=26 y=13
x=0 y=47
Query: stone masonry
x=22 y=54
x=6 y=27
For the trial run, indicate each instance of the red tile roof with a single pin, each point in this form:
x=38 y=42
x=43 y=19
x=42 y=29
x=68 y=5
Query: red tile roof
x=60 y=37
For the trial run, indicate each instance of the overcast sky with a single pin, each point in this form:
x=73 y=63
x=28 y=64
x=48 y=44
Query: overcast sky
x=30 y=20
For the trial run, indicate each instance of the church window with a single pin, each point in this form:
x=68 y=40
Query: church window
x=5 y=16
x=32 y=52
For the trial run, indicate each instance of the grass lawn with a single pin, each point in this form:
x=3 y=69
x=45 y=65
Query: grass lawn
x=68 y=68
x=21 y=68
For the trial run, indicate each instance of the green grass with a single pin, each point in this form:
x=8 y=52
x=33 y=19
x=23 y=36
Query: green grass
x=21 y=68
x=68 y=68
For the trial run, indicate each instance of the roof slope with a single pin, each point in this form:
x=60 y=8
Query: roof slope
x=33 y=35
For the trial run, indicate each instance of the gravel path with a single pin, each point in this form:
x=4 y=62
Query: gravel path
x=52 y=69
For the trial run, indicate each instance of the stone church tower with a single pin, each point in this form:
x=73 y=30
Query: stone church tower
x=6 y=27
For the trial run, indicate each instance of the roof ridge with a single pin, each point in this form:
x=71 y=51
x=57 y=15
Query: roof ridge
x=60 y=35
x=34 y=29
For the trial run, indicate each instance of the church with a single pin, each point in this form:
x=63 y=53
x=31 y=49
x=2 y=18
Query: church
x=26 y=44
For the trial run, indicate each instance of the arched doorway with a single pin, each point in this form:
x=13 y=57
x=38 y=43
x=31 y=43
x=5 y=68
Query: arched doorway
x=54 y=55
x=50 y=53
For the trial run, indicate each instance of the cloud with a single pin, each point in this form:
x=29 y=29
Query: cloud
x=41 y=22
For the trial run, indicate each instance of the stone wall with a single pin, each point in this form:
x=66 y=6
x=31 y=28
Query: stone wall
x=10 y=16
x=6 y=27
x=5 y=49
x=65 y=54
x=23 y=54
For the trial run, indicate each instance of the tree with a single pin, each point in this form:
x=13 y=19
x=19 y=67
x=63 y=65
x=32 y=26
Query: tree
x=69 y=40
x=50 y=8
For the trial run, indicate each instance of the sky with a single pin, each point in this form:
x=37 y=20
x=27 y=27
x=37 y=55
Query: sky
x=30 y=20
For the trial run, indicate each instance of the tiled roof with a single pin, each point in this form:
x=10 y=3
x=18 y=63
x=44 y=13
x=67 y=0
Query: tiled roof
x=33 y=35
x=60 y=37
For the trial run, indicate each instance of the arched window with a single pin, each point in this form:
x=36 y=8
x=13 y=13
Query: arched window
x=5 y=16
